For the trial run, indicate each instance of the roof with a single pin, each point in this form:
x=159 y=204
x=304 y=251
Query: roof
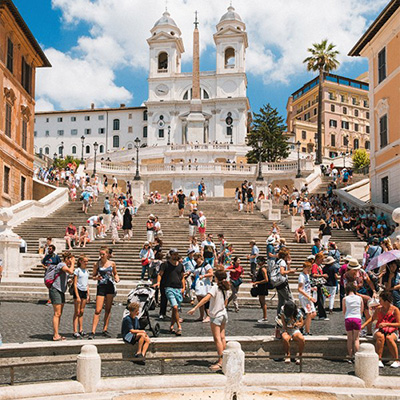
x=24 y=27
x=376 y=26
x=165 y=20
x=231 y=15
x=88 y=110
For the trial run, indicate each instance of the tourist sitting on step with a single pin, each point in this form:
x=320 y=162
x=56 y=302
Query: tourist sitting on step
x=71 y=236
x=157 y=198
x=83 y=237
x=300 y=235
x=96 y=222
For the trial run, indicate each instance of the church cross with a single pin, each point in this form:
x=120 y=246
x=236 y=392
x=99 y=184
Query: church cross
x=196 y=22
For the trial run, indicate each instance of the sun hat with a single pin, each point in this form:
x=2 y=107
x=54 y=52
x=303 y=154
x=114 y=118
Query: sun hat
x=190 y=251
x=353 y=264
x=151 y=216
x=146 y=243
x=347 y=258
x=270 y=240
x=311 y=257
x=328 y=260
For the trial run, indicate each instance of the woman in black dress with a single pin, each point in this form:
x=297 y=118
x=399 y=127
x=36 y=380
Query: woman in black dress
x=127 y=224
x=261 y=283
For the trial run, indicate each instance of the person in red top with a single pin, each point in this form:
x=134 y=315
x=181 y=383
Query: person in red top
x=387 y=318
x=70 y=235
x=235 y=273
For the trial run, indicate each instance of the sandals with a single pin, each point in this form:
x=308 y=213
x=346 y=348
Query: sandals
x=216 y=367
x=178 y=332
x=287 y=360
x=60 y=338
x=172 y=330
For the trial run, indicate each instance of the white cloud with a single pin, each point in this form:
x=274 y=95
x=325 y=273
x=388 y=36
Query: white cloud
x=279 y=33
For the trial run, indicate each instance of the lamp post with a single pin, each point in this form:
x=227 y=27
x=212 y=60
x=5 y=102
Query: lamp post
x=231 y=142
x=83 y=145
x=169 y=135
x=95 y=147
x=62 y=150
x=137 y=145
x=54 y=156
x=347 y=150
x=298 y=144
x=259 y=144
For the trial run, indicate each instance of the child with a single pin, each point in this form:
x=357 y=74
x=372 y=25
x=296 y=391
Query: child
x=81 y=296
x=306 y=299
x=292 y=321
x=353 y=308
x=219 y=317
x=131 y=332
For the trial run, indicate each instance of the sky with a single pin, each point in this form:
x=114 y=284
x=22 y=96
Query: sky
x=99 y=52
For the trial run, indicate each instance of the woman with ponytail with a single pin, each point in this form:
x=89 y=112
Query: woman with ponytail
x=218 y=298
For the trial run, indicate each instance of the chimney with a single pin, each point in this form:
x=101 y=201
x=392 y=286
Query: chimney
x=92 y=106
x=122 y=105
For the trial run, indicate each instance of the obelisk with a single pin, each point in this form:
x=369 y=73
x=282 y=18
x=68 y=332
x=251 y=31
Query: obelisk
x=196 y=120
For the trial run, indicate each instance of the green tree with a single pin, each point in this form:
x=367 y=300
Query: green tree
x=63 y=162
x=322 y=60
x=268 y=126
x=360 y=159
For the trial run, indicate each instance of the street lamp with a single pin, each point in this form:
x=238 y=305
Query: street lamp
x=62 y=149
x=231 y=142
x=298 y=144
x=259 y=144
x=347 y=150
x=95 y=147
x=55 y=156
x=137 y=145
x=83 y=145
x=169 y=135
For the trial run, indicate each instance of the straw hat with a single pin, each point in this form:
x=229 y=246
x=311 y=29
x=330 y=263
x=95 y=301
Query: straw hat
x=270 y=240
x=328 y=260
x=353 y=264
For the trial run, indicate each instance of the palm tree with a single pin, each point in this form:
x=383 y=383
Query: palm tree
x=322 y=59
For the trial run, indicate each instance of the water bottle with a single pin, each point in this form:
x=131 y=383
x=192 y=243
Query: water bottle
x=1 y=340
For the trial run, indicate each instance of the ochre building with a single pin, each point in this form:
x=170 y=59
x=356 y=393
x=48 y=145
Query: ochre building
x=381 y=45
x=20 y=55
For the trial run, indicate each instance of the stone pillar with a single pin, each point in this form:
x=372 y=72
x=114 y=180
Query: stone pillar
x=366 y=364
x=88 y=369
x=9 y=246
x=233 y=368
x=138 y=191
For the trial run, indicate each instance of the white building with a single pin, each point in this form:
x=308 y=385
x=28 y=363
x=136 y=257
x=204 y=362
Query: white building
x=164 y=119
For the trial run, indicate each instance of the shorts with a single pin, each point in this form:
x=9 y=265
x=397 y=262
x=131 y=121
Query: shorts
x=286 y=202
x=105 y=289
x=250 y=199
x=114 y=185
x=352 y=324
x=150 y=236
x=223 y=319
x=396 y=332
x=202 y=230
x=56 y=297
x=181 y=206
x=85 y=202
x=174 y=296
x=307 y=305
x=130 y=338
x=292 y=331
x=82 y=294
x=192 y=230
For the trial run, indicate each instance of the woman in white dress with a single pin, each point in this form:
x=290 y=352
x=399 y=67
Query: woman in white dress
x=114 y=226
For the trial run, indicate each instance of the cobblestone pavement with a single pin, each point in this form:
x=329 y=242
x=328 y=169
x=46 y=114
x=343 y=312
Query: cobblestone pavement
x=24 y=322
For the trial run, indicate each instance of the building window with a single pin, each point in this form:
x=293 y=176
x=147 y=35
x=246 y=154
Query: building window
x=382 y=65
x=332 y=108
x=161 y=133
x=34 y=133
x=206 y=95
x=59 y=119
x=303 y=135
x=354 y=101
x=342 y=98
x=129 y=116
x=101 y=117
x=367 y=145
x=163 y=62
x=10 y=55
x=7 y=129
x=130 y=146
x=6 y=183
x=74 y=131
x=333 y=140
x=383 y=130
x=24 y=135
x=101 y=130
x=73 y=149
x=307 y=116
x=116 y=125
x=145 y=115
x=366 y=103
x=47 y=133
x=385 y=190
x=87 y=149
x=88 y=131
x=130 y=129
x=332 y=123
x=101 y=148
x=345 y=125
x=331 y=96
x=116 y=141
x=356 y=113
x=87 y=117
x=344 y=110
x=23 y=185
x=230 y=57
x=47 y=120
x=26 y=76
x=315 y=111
x=367 y=129
x=60 y=132
x=345 y=141
x=145 y=132
x=367 y=115
x=356 y=127
x=356 y=144
x=73 y=119
x=46 y=151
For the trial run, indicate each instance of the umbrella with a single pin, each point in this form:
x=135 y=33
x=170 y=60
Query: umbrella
x=383 y=259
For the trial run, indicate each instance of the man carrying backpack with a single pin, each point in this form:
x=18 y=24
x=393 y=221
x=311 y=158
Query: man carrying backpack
x=279 y=277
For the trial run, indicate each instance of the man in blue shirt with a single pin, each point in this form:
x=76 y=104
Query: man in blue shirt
x=317 y=246
x=252 y=257
x=51 y=258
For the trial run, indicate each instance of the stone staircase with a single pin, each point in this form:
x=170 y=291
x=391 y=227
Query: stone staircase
x=222 y=217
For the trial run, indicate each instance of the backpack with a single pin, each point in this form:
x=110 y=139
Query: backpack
x=276 y=278
x=50 y=276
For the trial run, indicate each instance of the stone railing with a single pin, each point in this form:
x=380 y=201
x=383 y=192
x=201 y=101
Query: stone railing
x=195 y=147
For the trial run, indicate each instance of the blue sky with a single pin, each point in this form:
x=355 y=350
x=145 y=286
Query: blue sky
x=99 y=53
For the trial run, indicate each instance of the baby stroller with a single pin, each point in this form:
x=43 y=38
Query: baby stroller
x=144 y=294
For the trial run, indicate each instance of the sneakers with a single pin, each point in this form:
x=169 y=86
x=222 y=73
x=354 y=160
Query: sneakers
x=380 y=364
x=77 y=336
x=91 y=336
x=106 y=334
x=363 y=333
x=262 y=320
x=395 y=364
